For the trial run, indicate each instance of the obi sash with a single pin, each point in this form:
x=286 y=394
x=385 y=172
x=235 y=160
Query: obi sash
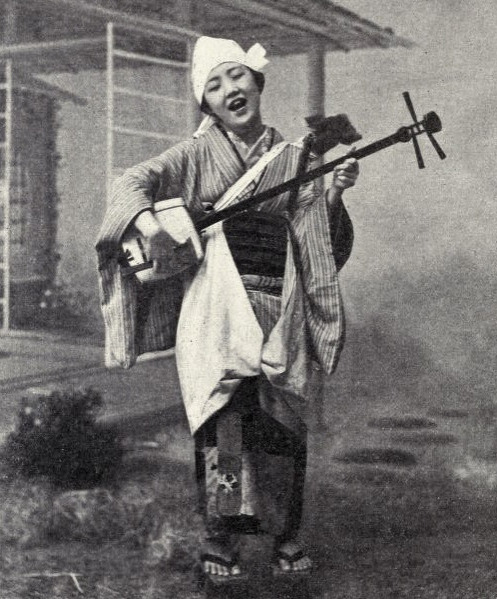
x=258 y=243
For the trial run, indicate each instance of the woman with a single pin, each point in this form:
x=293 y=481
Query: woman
x=249 y=320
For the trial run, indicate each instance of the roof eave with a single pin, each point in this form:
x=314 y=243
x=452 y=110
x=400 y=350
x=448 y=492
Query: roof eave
x=386 y=36
x=350 y=23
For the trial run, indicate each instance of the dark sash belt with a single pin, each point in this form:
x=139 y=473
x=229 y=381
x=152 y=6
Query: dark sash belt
x=258 y=243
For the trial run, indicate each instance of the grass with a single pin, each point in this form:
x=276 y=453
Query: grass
x=409 y=512
x=132 y=538
x=376 y=532
x=103 y=572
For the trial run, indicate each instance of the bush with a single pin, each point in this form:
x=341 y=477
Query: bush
x=57 y=436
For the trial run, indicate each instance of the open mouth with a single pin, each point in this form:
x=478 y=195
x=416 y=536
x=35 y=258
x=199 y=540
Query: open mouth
x=237 y=104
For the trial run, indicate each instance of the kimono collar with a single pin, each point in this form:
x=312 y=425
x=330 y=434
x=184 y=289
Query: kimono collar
x=251 y=154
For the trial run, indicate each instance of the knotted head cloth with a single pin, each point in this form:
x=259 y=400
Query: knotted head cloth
x=210 y=52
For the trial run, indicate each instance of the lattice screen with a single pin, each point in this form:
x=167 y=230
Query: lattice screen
x=149 y=105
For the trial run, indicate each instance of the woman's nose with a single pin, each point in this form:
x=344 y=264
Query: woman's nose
x=231 y=88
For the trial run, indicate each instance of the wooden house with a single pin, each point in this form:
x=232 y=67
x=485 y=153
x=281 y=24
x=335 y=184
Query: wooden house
x=122 y=68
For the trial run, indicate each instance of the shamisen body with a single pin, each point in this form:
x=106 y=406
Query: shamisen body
x=247 y=322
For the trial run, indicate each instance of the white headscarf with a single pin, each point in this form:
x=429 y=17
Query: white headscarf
x=210 y=52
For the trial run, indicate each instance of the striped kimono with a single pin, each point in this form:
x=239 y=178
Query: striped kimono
x=249 y=428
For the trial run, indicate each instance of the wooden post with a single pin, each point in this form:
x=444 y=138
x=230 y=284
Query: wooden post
x=110 y=110
x=316 y=84
x=316 y=77
x=9 y=35
x=6 y=198
x=190 y=16
x=194 y=114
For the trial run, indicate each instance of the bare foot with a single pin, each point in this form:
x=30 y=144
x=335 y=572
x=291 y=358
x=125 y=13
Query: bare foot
x=218 y=569
x=218 y=560
x=291 y=558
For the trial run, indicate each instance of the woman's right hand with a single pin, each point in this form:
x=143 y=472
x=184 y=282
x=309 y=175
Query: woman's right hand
x=158 y=244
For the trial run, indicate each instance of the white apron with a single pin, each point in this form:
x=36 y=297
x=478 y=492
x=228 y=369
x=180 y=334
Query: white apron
x=219 y=341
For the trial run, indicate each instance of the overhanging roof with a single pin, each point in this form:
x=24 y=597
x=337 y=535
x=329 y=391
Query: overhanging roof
x=288 y=27
x=70 y=33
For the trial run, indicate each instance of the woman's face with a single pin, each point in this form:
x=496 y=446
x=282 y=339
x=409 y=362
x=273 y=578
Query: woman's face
x=232 y=94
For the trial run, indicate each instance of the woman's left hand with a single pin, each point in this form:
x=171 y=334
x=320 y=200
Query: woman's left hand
x=345 y=174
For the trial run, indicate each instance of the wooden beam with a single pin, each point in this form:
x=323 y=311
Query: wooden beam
x=354 y=23
x=40 y=49
x=135 y=22
x=345 y=21
x=257 y=9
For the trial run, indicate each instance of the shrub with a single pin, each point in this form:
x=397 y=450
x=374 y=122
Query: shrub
x=57 y=436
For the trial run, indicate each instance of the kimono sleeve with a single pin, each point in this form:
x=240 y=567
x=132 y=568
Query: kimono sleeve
x=341 y=231
x=134 y=191
x=120 y=297
x=319 y=274
x=340 y=224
